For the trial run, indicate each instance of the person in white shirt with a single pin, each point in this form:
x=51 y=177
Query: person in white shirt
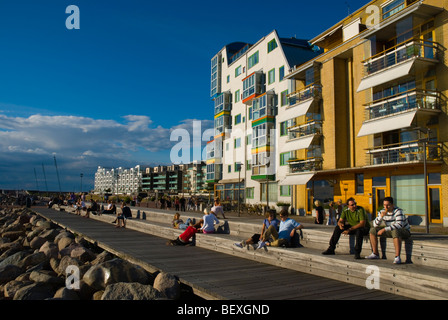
x=217 y=209
x=208 y=222
x=391 y=223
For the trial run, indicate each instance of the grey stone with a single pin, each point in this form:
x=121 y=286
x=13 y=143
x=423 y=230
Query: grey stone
x=130 y=291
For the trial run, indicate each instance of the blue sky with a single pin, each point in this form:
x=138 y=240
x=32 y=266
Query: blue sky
x=111 y=92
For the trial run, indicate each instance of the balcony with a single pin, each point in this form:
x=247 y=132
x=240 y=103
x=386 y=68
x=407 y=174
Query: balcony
x=253 y=86
x=311 y=92
x=414 y=99
x=404 y=153
x=298 y=166
x=300 y=102
x=398 y=62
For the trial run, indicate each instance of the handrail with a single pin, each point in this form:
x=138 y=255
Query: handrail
x=394 y=48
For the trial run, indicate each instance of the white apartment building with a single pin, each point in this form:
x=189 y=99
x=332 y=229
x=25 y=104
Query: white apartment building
x=250 y=95
x=119 y=180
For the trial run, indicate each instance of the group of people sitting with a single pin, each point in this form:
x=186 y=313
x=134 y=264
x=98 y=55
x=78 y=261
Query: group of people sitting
x=390 y=222
x=204 y=225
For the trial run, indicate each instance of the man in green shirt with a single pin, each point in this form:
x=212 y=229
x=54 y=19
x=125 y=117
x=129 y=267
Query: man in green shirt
x=353 y=220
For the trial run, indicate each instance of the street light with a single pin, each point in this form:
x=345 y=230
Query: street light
x=81 y=175
x=425 y=173
x=239 y=165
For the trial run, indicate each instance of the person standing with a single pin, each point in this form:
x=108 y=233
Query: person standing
x=320 y=213
x=353 y=220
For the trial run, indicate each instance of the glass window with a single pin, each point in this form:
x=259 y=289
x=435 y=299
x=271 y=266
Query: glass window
x=250 y=193
x=238 y=118
x=285 y=191
x=434 y=178
x=272 y=45
x=281 y=73
x=284 y=157
x=237 y=71
x=271 y=76
x=253 y=60
x=237 y=95
x=392 y=8
x=360 y=183
x=284 y=98
x=408 y=192
x=378 y=181
x=237 y=142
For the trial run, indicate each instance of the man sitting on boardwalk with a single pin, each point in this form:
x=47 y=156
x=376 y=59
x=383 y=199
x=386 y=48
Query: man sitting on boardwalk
x=353 y=220
x=286 y=231
x=390 y=223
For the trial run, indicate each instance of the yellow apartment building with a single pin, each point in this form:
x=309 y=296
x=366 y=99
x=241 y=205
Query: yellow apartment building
x=373 y=107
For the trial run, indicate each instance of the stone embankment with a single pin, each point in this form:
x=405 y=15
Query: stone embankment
x=40 y=260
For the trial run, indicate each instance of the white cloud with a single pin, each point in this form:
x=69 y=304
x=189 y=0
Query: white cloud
x=80 y=143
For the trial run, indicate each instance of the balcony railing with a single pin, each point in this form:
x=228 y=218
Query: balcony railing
x=415 y=48
x=313 y=91
x=298 y=131
x=413 y=99
x=404 y=152
x=313 y=164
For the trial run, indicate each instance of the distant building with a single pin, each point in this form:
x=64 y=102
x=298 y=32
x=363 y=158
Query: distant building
x=118 y=181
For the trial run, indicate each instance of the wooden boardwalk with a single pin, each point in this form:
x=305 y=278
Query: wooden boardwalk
x=211 y=275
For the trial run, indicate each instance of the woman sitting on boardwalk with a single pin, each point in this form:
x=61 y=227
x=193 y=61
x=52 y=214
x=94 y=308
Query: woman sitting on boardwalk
x=205 y=225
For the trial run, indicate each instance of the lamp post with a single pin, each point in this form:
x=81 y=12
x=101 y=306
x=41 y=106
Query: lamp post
x=81 y=175
x=426 y=131
x=239 y=187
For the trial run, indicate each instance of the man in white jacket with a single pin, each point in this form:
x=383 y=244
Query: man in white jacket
x=391 y=223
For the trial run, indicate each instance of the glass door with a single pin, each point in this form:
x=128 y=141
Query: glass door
x=379 y=195
x=435 y=215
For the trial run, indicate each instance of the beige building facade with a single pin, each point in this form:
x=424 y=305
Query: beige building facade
x=370 y=112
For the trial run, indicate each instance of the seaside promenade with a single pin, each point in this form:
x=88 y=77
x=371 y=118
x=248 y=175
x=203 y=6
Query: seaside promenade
x=216 y=269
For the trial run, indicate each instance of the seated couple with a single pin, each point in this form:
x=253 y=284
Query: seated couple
x=275 y=233
x=205 y=225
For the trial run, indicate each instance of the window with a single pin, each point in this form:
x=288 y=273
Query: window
x=285 y=191
x=237 y=71
x=271 y=76
x=284 y=157
x=253 y=60
x=250 y=113
x=228 y=79
x=272 y=45
x=360 y=183
x=237 y=96
x=229 y=168
x=248 y=165
x=250 y=193
x=283 y=128
x=281 y=73
x=237 y=143
x=393 y=8
x=238 y=119
x=284 y=98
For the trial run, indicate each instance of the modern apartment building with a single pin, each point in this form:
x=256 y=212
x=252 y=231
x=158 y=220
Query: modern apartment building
x=249 y=89
x=175 y=179
x=367 y=118
x=119 y=180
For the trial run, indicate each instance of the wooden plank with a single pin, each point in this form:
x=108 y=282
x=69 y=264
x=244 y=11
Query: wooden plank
x=212 y=274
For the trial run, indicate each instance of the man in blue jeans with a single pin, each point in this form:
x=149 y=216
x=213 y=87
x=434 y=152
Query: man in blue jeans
x=353 y=220
x=286 y=230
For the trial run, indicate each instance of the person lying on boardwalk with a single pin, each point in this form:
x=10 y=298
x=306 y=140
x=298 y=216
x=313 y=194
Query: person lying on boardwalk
x=390 y=223
x=282 y=237
x=178 y=223
x=270 y=220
